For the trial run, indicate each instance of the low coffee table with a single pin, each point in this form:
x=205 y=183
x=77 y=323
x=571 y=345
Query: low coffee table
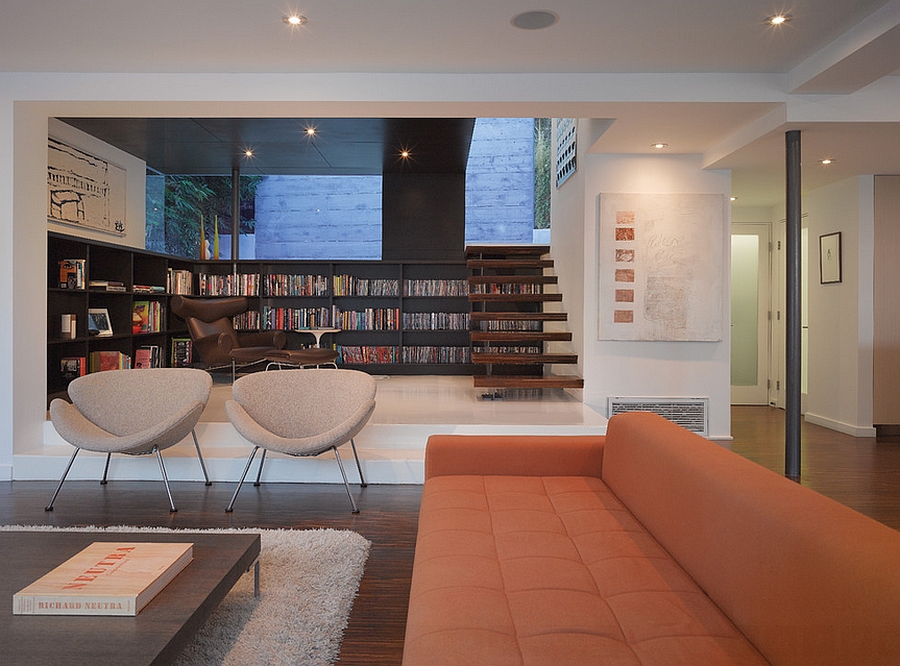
x=157 y=635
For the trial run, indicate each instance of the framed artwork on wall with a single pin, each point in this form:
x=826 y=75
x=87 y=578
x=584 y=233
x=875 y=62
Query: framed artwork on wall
x=84 y=190
x=661 y=266
x=830 y=258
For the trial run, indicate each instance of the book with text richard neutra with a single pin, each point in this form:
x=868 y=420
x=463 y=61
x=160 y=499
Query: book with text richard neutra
x=106 y=578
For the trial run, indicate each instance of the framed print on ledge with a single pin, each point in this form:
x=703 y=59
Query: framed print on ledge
x=830 y=258
x=98 y=323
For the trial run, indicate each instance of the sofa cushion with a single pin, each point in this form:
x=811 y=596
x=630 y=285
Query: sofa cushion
x=806 y=579
x=530 y=570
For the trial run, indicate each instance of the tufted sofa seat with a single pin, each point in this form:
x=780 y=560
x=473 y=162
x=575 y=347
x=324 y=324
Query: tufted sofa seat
x=648 y=547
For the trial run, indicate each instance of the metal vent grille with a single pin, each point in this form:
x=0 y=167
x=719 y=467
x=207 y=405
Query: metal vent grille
x=689 y=413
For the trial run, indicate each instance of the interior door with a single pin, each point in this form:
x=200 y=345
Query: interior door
x=750 y=266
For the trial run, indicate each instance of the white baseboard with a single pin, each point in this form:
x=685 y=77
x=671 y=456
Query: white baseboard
x=839 y=426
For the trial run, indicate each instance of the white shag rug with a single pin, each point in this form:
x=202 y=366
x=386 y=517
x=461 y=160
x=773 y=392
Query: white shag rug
x=308 y=581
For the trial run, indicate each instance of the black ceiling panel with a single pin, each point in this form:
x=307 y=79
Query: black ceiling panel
x=281 y=146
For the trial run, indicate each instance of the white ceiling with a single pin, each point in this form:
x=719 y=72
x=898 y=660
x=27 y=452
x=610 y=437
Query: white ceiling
x=830 y=46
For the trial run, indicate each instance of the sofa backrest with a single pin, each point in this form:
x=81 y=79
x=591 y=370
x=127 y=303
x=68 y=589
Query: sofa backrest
x=807 y=580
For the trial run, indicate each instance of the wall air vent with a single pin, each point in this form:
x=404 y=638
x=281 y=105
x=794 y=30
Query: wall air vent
x=689 y=413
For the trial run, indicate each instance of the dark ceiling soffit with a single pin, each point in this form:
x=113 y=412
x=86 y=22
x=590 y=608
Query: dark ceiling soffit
x=281 y=146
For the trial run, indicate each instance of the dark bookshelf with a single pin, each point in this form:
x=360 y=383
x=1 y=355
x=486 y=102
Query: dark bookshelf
x=133 y=275
x=284 y=293
x=427 y=303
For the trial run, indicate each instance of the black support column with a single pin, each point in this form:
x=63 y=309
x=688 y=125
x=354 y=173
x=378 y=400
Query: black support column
x=792 y=308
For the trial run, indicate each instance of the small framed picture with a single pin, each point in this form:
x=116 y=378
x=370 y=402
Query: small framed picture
x=830 y=258
x=98 y=322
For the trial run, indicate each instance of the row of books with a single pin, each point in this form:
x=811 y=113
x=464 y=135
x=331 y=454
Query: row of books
x=350 y=285
x=389 y=354
x=436 y=288
x=71 y=274
x=436 y=321
x=180 y=281
x=286 y=285
x=146 y=317
x=294 y=318
x=526 y=325
x=295 y=285
x=370 y=319
x=232 y=284
x=494 y=288
x=146 y=356
x=423 y=354
x=247 y=321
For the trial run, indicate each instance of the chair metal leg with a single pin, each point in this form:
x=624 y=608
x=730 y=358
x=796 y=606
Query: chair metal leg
x=337 y=455
x=362 y=479
x=230 y=506
x=262 y=459
x=65 y=473
x=106 y=469
x=165 y=477
x=200 y=457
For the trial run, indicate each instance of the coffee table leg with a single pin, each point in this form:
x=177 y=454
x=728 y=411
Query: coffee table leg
x=256 y=578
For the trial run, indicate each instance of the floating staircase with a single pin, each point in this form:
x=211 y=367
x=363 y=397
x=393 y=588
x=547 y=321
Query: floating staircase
x=506 y=294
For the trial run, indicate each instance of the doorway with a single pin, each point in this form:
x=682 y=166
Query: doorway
x=750 y=308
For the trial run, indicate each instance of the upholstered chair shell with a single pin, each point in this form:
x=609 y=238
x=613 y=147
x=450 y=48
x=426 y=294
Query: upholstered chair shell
x=133 y=412
x=301 y=413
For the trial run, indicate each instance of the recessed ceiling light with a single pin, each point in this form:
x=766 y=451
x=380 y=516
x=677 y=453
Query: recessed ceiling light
x=734 y=198
x=310 y=131
x=826 y=161
x=248 y=153
x=536 y=20
x=404 y=154
x=659 y=146
x=779 y=19
x=295 y=20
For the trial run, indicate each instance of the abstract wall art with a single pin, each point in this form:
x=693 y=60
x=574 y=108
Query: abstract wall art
x=661 y=272
x=84 y=190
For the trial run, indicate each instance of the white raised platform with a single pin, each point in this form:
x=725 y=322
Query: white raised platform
x=391 y=446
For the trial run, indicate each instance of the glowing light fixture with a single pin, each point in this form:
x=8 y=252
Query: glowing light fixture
x=404 y=154
x=659 y=145
x=310 y=131
x=248 y=153
x=295 y=20
x=779 y=19
x=826 y=161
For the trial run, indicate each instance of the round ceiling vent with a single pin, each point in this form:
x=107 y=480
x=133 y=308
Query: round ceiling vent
x=535 y=20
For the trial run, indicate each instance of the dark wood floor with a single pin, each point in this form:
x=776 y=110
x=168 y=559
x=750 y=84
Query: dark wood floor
x=861 y=473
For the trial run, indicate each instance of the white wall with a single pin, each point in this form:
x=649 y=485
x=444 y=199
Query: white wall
x=615 y=368
x=841 y=315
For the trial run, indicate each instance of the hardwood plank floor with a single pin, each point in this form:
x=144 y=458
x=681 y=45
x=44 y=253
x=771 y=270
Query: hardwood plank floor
x=861 y=473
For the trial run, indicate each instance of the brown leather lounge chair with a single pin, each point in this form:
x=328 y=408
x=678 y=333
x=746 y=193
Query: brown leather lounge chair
x=214 y=339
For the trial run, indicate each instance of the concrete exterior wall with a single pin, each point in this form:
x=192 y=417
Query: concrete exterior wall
x=500 y=181
x=318 y=217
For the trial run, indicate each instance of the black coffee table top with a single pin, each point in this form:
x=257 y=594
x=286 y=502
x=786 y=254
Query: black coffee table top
x=157 y=635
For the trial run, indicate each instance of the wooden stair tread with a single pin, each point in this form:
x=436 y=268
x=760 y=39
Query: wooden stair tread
x=498 y=358
x=510 y=263
x=513 y=279
x=507 y=250
x=521 y=336
x=518 y=316
x=512 y=381
x=514 y=298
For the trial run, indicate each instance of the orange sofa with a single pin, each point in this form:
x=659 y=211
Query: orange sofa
x=648 y=547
